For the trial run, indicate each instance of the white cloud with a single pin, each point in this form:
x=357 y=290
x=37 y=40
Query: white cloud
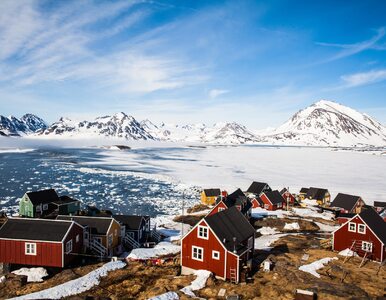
x=364 y=78
x=60 y=45
x=216 y=92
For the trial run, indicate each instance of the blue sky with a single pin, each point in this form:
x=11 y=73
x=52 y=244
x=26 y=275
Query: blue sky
x=254 y=62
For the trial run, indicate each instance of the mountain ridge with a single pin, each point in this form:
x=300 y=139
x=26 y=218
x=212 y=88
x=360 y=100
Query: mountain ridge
x=323 y=123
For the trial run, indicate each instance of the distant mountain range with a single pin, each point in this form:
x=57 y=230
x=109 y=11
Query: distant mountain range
x=324 y=123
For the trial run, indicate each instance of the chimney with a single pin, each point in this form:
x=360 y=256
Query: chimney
x=234 y=245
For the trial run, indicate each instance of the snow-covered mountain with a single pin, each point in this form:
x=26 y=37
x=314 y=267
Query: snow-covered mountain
x=327 y=123
x=324 y=123
x=27 y=124
x=219 y=133
x=119 y=125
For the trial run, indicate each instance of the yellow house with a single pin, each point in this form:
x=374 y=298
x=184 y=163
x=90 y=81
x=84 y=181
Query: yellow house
x=322 y=196
x=209 y=196
x=303 y=193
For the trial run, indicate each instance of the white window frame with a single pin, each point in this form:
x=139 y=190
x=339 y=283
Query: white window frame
x=266 y=206
x=362 y=226
x=30 y=249
x=200 y=232
x=367 y=246
x=198 y=251
x=221 y=209
x=77 y=238
x=355 y=227
x=279 y=205
x=216 y=255
x=69 y=246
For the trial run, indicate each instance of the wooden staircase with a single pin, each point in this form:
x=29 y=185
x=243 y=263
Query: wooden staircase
x=130 y=241
x=98 y=248
x=233 y=275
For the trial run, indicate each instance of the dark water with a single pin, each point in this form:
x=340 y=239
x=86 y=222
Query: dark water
x=85 y=175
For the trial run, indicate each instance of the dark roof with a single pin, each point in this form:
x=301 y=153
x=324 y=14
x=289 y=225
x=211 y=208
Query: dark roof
x=379 y=204
x=97 y=225
x=44 y=196
x=316 y=193
x=34 y=229
x=260 y=201
x=131 y=222
x=274 y=197
x=212 y=192
x=345 y=201
x=238 y=198
x=304 y=190
x=258 y=187
x=284 y=190
x=375 y=222
x=229 y=224
x=65 y=200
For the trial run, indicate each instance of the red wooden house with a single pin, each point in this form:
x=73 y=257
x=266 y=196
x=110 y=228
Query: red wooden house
x=237 y=199
x=272 y=200
x=221 y=243
x=257 y=202
x=37 y=242
x=379 y=206
x=288 y=197
x=365 y=234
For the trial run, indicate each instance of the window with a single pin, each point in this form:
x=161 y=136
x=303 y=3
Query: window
x=221 y=209
x=216 y=255
x=69 y=246
x=203 y=232
x=30 y=248
x=197 y=253
x=352 y=227
x=38 y=209
x=266 y=206
x=85 y=235
x=110 y=239
x=361 y=228
x=367 y=246
x=250 y=242
x=45 y=206
x=77 y=238
x=279 y=204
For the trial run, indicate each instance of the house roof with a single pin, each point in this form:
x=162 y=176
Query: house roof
x=346 y=215
x=65 y=200
x=375 y=222
x=345 y=201
x=212 y=192
x=379 y=204
x=42 y=197
x=229 y=224
x=258 y=199
x=283 y=190
x=34 y=229
x=131 y=222
x=304 y=190
x=274 y=196
x=257 y=187
x=97 y=225
x=316 y=193
x=238 y=198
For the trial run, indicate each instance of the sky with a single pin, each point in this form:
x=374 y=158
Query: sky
x=253 y=62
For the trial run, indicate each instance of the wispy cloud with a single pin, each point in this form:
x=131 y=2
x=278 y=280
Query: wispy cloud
x=351 y=49
x=214 y=93
x=364 y=78
x=40 y=46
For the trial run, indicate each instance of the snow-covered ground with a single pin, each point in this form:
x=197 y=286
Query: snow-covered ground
x=166 y=296
x=33 y=274
x=76 y=286
x=316 y=265
x=347 y=252
x=198 y=283
x=163 y=248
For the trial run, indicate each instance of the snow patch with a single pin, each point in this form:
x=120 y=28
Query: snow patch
x=347 y=252
x=316 y=265
x=166 y=296
x=292 y=226
x=198 y=283
x=33 y=274
x=267 y=230
x=163 y=248
x=76 y=286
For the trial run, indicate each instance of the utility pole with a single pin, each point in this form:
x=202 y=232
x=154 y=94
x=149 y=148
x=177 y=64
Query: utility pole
x=182 y=213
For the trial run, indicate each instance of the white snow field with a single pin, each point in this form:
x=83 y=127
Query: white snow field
x=197 y=284
x=76 y=286
x=163 y=248
x=231 y=167
x=316 y=265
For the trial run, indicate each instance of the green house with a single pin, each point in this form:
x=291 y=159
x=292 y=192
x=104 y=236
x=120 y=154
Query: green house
x=42 y=203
